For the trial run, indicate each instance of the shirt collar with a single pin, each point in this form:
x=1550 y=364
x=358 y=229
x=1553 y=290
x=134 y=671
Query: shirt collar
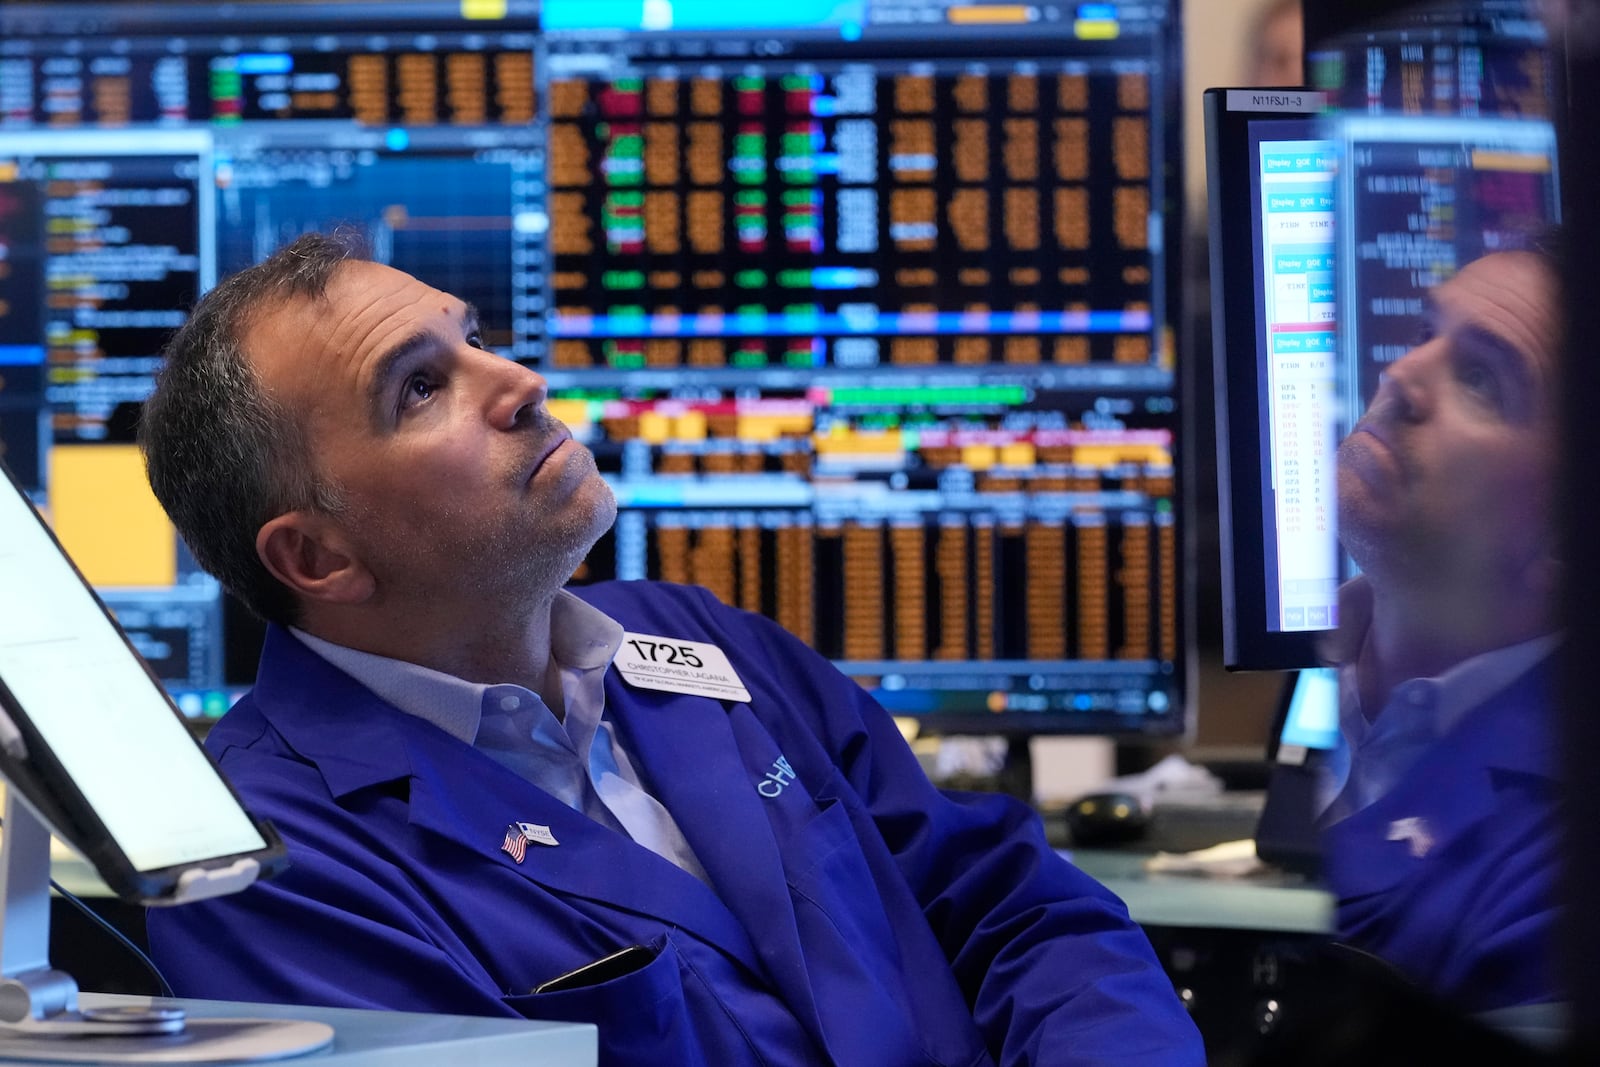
x=582 y=638
x=1446 y=698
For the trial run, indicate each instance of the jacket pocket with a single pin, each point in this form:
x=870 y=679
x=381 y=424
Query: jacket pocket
x=646 y=1016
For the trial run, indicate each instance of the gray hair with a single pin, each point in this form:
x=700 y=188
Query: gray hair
x=222 y=455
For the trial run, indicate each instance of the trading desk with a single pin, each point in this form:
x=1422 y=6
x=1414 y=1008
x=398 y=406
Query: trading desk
x=1245 y=954
x=1240 y=952
x=1267 y=902
x=400 y=1039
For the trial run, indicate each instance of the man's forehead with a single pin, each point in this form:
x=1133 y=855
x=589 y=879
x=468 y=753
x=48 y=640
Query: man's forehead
x=1512 y=295
x=361 y=299
x=284 y=340
x=363 y=281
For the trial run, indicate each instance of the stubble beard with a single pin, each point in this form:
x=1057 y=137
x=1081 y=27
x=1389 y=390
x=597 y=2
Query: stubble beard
x=498 y=562
x=545 y=562
x=533 y=563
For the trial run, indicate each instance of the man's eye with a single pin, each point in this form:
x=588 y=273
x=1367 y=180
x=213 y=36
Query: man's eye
x=1479 y=379
x=475 y=339
x=418 y=388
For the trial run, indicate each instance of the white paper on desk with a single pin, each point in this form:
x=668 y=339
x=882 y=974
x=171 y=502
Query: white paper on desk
x=1172 y=779
x=1231 y=859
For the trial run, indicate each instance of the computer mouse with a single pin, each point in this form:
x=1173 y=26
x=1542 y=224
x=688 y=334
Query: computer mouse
x=1106 y=819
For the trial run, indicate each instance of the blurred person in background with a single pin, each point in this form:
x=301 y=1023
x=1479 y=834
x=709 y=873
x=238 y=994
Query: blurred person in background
x=1277 y=44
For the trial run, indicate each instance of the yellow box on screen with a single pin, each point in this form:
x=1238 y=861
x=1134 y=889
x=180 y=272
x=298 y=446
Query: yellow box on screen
x=107 y=518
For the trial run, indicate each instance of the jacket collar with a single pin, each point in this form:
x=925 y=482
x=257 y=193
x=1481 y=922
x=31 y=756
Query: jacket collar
x=1507 y=742
x=357 y=741
x=354 y=747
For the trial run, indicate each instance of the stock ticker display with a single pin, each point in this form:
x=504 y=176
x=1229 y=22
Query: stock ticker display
x=146 y=151
x=1427 y=196
x=871 y=337
x=1448 y=139
x=1487 y=58
x=864 y=309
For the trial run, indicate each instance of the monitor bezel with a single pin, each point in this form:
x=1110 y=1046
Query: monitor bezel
x=1230 y=114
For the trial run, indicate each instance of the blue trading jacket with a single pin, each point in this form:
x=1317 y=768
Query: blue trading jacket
x=859 y=915
x=1451 y=876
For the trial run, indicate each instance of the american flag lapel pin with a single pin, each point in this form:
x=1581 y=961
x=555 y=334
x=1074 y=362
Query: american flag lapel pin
x=1416 y=833
x=515 y=845
x=518 y=834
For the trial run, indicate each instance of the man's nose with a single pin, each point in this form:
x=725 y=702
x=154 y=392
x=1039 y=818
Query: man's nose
x=518 y=394
x=1404 y=388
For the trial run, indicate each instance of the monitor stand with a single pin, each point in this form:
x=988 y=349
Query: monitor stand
x=39 y=1016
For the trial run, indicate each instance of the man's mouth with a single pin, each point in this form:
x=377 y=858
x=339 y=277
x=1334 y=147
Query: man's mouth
x=1376 y=434
x=1378 y=446
x=559 y=436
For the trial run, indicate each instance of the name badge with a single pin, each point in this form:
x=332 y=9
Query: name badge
x=537 y=832
x=671 y=665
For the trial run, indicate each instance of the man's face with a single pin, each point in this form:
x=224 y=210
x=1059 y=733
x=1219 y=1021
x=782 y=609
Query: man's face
x=1277 y=59
x=459 y=482
x=1449 y=473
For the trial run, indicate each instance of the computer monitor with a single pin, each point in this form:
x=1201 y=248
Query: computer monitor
x=865 y=307
x=1441 y=57
x=1304 y=746
x=1270 y=184
x=93 y=749
x=93 y=743
x=1327 y=235
x=1447 y=112
x=1422 y=196
x=147 y=150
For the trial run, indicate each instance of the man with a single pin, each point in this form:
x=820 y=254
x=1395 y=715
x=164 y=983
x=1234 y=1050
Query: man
x=1276 y=37
x=1442 y=841
x=486 y=815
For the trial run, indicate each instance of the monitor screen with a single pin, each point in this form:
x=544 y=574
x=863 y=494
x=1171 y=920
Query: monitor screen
x=1292 y=226
x=865 y=307
x=1271 y=173
x=148 y=150
x=1310 y=720
x=1447 y=143
x=91 y=738
x=1442 y=57
x=1304 y=747
x=1423 y=196
x=1352 y=218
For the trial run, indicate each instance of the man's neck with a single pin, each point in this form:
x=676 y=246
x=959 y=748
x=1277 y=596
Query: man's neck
x=488 y=645
x=1418 y=635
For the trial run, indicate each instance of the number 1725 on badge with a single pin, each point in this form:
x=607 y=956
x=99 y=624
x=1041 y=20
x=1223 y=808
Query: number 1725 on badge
x=677 y=666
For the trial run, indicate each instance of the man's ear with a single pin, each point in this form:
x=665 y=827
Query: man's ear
x=307 y=553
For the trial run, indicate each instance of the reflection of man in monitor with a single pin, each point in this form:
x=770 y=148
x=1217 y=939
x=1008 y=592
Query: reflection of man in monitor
x=1441 y=841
